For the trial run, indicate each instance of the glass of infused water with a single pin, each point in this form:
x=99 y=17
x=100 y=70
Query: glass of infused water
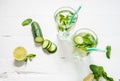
x=83 y=39
x=62 y=18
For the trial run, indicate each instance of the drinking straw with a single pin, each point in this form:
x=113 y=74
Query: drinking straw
x=95 y=49
x=76 y=12
x=107 y=50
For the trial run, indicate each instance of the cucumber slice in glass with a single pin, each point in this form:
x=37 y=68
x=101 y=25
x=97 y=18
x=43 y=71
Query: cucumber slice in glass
x=78 y=39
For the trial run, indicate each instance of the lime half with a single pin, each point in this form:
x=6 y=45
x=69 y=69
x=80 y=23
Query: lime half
x=20 y=53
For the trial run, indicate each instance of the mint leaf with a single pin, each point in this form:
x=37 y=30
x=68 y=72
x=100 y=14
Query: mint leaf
x=31 y=55
x=61 y=17
x=99 y=72
x=108 y=51
x=26 y=22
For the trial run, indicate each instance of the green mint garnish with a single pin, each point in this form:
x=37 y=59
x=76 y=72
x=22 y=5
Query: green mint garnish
x=64 y=20
x=99 y=72
x=30 y=57
x=108 y=51
x=26 y=22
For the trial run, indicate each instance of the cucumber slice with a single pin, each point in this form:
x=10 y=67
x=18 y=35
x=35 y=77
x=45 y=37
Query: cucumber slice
x=52 y=48
x=78 y=39
x=38 y=39
x=45 y=44
x=49 y=45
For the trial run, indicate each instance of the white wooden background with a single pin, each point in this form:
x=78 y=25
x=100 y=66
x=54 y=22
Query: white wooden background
x=102 y=16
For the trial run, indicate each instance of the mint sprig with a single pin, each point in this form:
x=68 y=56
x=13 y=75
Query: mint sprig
x=64 y=20
x=99 y=72
x=30 y=57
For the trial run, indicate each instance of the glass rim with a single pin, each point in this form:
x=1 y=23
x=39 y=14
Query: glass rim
x=88 y=30
x=66 y=8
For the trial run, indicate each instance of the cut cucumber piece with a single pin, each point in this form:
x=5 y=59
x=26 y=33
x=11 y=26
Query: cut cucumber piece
x=37 y=32
x=78 y=39
x=52 y=48
x=49 y=46
x=45 y=44
x=39 y=39
x=50 y=43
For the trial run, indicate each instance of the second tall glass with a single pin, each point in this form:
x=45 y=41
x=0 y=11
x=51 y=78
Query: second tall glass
x=83 y=39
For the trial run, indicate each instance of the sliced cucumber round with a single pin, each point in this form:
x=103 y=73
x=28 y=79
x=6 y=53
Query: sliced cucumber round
x=45 y=44
x=78 y=39
x=49 y=46
x=39 y=39
x=52 y=48
x=50 y=43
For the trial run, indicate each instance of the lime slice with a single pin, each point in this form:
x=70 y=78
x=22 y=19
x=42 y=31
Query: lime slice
x=20 y=53
x=89 y=77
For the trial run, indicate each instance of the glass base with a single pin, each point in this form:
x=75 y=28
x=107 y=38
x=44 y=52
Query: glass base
x=79 y=53
x=63 y=36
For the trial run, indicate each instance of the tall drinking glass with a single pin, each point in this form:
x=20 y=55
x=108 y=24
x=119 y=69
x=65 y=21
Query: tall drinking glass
x=62 y=18
x=83 y=39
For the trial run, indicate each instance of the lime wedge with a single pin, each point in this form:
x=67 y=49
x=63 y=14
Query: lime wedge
x=89 y=77
x=20 y=53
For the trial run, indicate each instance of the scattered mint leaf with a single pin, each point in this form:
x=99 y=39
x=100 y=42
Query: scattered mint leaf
x=99 y=72
x=26 y=22
x=30 y=57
